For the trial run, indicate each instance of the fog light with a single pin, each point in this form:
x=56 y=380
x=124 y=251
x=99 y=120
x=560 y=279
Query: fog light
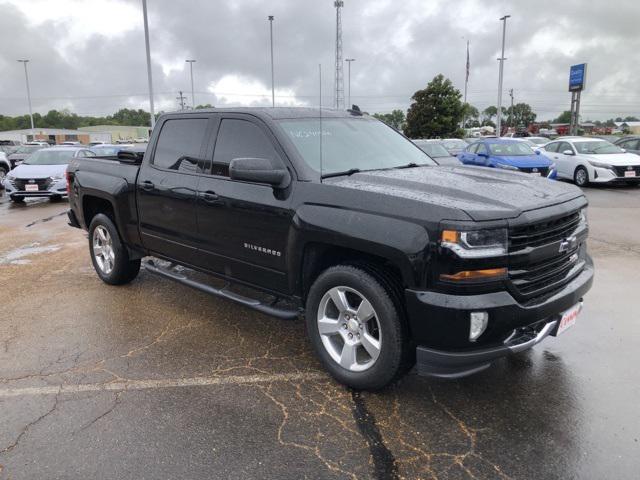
x=477 y=324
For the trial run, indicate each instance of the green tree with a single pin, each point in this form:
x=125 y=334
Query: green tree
x=396 y=119
x=631 y=119
x=436 y=111
x=564 y=117
x=520 y=114
x=206 y=105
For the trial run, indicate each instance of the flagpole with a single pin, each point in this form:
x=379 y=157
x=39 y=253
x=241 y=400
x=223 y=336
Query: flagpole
x=466 y=83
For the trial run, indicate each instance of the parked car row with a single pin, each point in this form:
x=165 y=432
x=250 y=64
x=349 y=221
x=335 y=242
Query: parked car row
x=40 y=171
x=583 y=160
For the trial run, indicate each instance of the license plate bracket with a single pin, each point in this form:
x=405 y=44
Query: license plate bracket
x=568 y=319
x=31 y=187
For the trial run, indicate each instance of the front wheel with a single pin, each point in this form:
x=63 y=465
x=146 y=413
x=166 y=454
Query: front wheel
x=581 y=177
x=356 y=328
x=108 y=255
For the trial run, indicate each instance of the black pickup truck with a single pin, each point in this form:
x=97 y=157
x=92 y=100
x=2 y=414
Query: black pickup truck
x=391 y=259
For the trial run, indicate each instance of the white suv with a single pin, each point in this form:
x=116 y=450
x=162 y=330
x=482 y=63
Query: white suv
x=592 y=160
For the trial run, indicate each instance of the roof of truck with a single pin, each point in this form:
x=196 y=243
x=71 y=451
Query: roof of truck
x=276 y=113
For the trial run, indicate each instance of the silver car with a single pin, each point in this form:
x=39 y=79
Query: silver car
x=43 y=174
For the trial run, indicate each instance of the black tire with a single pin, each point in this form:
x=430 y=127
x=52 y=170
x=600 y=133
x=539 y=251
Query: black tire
x=581 y=177
x=3 y=174
x=394 y=352
x=123 y=270
x=16 y=199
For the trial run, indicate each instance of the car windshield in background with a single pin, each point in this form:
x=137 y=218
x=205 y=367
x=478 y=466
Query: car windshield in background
x=511 y=149
x=28 y=149
x=106 y=151
x=351 y=143
x=455 y=144
x=434 y=150
x=50 y=156
x=596 y=148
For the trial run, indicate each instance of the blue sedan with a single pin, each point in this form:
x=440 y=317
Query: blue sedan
x=508 y=155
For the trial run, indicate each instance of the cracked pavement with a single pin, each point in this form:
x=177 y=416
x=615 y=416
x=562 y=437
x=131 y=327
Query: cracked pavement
x=154 y=380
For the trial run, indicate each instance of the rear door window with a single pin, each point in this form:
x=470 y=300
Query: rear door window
x=180 y=144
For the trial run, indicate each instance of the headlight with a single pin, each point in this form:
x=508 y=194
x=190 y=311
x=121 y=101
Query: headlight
x=583 y=217
x=10 y=177
x=506 y=167
x=476 y=243
x=601 y=165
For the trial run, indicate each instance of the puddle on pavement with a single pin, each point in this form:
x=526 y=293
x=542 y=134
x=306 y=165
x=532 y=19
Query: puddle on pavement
x=17 y=256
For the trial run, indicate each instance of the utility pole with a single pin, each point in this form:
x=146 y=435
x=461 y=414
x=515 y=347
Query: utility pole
x=146 y=42
x=180 y=99
x=511 y=115
x=466 y=83
x=349 y=60
x=501 y=60
x=273 y=88
x=339 y=79
x=193 y=97
x=26 y=77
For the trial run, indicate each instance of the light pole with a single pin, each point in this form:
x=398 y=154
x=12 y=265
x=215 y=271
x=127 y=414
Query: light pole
x=193 y=97
x=146 y=42
x=273 y=91
x=501 y=60
x=26 y=78
x=349 y=60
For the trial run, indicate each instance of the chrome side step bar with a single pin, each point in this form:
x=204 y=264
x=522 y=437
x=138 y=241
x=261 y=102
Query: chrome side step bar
x=268 y=309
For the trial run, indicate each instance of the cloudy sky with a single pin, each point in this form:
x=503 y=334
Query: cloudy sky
x=88 y=55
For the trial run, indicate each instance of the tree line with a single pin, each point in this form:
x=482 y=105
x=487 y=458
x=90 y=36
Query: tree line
x=68 y=120
x=438 y=111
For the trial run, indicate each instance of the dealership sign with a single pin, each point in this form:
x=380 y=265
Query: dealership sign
x=577 y=77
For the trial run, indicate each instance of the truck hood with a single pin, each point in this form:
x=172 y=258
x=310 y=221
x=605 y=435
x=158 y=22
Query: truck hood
x=38 y=171
x=482 y=193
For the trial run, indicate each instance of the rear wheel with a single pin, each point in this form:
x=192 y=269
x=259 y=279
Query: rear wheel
x=581 y=177
x=108 y=255
x=356 y=328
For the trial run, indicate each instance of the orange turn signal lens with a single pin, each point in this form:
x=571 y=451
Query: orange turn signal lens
x=450 y=236
x=471 y=275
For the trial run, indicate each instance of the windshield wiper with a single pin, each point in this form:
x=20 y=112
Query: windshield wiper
x=347 y=173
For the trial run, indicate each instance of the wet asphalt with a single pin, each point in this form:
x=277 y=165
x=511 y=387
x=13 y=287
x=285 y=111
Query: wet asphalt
x=157 y=381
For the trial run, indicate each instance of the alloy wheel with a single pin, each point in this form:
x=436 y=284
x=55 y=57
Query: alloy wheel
x=103 y=249
x=349 y=328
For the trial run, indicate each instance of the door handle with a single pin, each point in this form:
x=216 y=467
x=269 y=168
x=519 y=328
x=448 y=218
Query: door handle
x=147 y=186
x=210 y=197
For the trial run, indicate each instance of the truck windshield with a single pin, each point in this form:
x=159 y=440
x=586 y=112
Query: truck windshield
x=351 y=143
x=50 y=157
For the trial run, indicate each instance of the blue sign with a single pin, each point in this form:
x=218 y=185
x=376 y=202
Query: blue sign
x=577 y=77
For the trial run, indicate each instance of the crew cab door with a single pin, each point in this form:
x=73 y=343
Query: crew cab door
x=242 y=226
x=167 y=188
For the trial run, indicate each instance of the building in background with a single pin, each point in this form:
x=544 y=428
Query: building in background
x=56 y=136
x=630 y=127
x=121 y=133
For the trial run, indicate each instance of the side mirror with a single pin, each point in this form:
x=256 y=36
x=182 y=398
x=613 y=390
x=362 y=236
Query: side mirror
x=258 y=170
x=537 y=152
x=485 y=155
x=568 y=152
x=624 y=150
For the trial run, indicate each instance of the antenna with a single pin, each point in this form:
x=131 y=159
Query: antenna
x=320 y=98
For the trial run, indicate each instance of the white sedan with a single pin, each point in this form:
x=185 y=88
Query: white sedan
x=591 y=160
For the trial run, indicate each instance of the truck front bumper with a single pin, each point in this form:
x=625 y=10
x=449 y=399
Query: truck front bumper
x=440 y=326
